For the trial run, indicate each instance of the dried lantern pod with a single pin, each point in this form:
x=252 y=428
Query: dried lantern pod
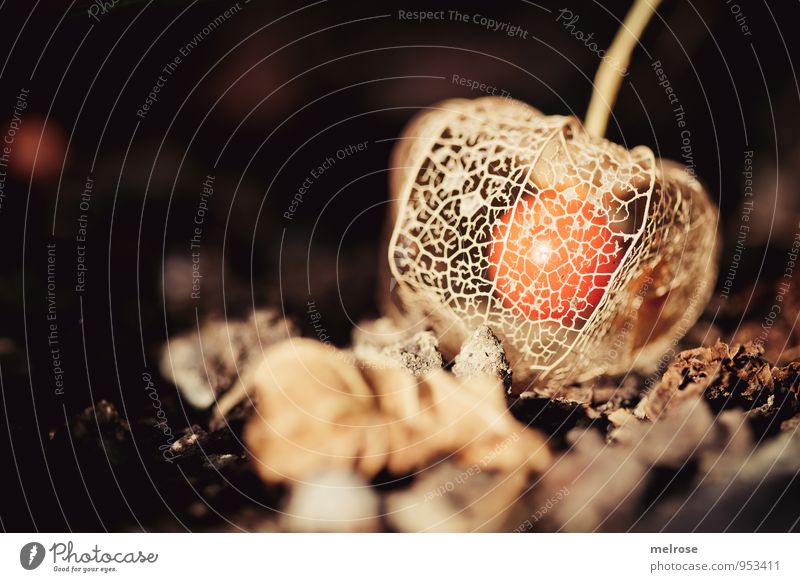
x=582 y=256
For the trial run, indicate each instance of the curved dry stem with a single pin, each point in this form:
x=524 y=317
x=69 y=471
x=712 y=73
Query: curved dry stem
x=614 y=65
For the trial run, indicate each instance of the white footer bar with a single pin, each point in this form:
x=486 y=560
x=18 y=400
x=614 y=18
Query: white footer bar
x=389 y=557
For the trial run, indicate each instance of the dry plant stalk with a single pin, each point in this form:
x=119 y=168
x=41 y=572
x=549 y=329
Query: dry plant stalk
x=609 y=76
x=319 y=411
x=582 y=256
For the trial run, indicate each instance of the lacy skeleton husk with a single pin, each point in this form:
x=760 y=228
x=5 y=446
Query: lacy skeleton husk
x=584 y=257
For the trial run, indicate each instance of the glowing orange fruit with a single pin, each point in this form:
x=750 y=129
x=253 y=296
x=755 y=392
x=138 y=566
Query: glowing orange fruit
x=552 y=256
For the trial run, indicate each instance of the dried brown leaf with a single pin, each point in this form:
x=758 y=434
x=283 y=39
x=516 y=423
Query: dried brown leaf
x=204 y=363
x=318 y=410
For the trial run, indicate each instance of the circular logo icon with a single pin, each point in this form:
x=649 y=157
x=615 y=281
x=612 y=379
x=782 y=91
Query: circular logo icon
x=31 y=555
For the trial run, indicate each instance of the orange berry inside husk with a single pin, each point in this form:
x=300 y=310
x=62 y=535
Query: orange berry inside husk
x=552 y=256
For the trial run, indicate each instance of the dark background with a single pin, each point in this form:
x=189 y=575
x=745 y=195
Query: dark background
x=271 y=93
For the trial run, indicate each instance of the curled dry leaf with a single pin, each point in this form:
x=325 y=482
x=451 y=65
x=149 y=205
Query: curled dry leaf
x=206 y=362
x=728 y=377
x=320 y=410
